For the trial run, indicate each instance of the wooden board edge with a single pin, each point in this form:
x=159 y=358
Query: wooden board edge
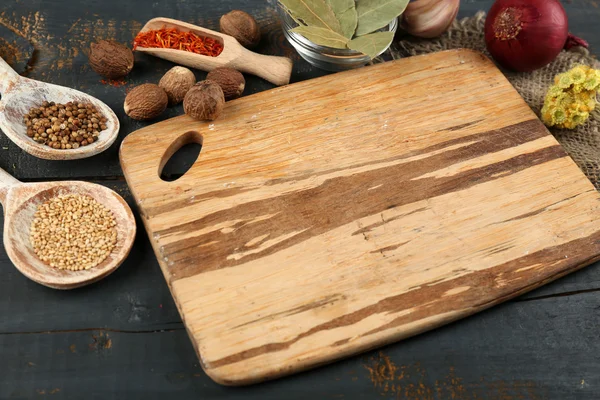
x=444 y=319
x=168 y=122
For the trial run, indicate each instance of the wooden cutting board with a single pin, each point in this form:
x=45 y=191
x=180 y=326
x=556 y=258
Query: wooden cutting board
x=335 y=215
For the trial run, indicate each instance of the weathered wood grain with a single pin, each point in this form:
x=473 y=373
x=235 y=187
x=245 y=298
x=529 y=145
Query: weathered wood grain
x=15 y=50
x=136 y=299
x=542 y=349
x=336 y=215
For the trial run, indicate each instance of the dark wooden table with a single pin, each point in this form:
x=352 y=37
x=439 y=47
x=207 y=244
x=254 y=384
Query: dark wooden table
x=123 y=338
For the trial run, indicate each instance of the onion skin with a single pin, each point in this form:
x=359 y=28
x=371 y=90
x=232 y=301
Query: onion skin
x=525 y=35
x=574 y=41
x=429 y=18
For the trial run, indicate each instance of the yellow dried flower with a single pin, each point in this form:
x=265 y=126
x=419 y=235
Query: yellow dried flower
x=554 y=91
x=563 y=81
x=591 y=105
x=580 y=117
x=565 y=100
x=558 y=115
x=577 y=75
x=588 y=100
x=588 y=94
x=572 y=98
x=591 y=82
x=578 y=88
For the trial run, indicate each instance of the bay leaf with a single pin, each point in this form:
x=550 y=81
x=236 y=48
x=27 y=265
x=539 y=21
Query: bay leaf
x=375 y=14
x=314 y=13
x=299 y=22
x=371 y=44
x=322 y=36
x=345 y=12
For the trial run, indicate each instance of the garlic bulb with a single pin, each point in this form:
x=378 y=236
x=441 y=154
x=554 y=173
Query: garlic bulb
x=429 y=18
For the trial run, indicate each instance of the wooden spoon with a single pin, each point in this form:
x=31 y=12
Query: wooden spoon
x=21 y=200
x=276 y=70
x=19 y=95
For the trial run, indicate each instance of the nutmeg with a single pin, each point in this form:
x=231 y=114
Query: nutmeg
x=241 y=26
x=204 y=101
x=111 y=59
x=145 y=102
x=231 y=81
x=176 y=83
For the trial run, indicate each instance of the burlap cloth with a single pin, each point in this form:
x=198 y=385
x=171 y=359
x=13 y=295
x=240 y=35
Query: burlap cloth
x=582 y=144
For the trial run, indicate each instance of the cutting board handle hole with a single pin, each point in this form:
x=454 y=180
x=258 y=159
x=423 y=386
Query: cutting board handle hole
x=180 y=156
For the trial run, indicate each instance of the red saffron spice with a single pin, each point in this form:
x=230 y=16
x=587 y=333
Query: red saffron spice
x=172 y=38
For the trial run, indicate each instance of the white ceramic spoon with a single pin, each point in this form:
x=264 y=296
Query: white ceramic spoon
x=20 y=94
x=276 y=70
x=21 y=200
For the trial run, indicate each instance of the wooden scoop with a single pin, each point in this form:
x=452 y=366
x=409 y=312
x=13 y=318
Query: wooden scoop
x=19 y=95
x=21 y=200
x=276 y=70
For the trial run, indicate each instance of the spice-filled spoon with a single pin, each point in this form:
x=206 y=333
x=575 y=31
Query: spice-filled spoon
x=20 y=94
x=21 y=201
x=276 y=70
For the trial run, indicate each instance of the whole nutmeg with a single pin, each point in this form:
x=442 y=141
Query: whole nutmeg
x=204 y=101
x=145 y=102
x=176 y=82
x=231 y=81
x=111 y=59
x=241 y=26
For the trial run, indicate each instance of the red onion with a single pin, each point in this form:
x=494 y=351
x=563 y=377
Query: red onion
x=524 y=35
x=573 y=41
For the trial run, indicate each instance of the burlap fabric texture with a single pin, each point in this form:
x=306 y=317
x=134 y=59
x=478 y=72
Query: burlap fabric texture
x=582 y=144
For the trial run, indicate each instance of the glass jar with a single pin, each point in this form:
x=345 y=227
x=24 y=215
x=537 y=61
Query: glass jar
x=323 y=57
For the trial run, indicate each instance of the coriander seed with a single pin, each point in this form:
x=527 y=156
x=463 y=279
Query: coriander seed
x=73 y=232
x=64 y=126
